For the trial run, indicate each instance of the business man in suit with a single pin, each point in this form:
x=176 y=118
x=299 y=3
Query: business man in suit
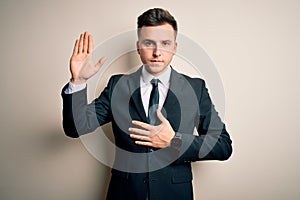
x=153 y=111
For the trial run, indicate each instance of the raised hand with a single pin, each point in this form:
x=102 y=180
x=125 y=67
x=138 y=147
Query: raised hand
x=81 y=63
x=153 y=136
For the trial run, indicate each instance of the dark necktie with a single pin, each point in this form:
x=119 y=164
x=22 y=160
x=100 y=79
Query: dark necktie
x=153 y=103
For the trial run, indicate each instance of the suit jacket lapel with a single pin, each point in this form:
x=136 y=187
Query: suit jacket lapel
x=176 y=88
x=175 y=91
x=172 y=108
x=136 y=99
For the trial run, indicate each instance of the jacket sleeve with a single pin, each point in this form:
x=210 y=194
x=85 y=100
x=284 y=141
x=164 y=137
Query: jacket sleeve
x=213 y=141
x=79 y=117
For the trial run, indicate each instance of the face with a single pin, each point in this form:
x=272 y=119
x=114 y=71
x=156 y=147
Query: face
x=156 y=47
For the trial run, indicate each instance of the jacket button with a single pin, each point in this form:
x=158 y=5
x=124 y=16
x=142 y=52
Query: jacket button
x=146 y=180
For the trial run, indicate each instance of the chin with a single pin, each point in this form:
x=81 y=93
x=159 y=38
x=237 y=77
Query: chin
x=155 y=68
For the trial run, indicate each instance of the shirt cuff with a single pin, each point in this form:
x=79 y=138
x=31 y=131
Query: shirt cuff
x=72 y=88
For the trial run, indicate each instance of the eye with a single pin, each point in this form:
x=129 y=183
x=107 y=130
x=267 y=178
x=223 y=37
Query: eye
x=166 y=43
x=148 y=43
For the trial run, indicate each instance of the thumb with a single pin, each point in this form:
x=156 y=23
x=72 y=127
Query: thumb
x=100 y=62
x=160 y=116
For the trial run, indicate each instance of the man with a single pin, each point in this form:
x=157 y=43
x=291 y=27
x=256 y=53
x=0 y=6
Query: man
x=153 y=111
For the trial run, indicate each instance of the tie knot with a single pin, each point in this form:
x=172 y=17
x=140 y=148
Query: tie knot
x=154 y=82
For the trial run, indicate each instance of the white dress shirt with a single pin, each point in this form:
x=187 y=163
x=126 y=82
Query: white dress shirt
x=145 y=86
x=74 y=88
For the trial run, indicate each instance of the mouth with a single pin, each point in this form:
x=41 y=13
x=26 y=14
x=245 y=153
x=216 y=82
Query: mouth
x=156 y=61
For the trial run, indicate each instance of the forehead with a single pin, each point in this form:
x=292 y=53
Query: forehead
x=161 y=32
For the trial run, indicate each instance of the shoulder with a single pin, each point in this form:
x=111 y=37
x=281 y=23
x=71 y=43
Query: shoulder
x=195 y=82
x=116 y=77
x=193 y=79
x=124 y=78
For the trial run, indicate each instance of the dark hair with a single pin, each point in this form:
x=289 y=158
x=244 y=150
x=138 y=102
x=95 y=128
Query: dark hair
x=156 y=17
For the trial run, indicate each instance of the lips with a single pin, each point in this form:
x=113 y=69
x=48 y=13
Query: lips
x=156 y=61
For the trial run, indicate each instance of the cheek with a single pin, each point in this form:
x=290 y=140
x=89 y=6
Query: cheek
x=168 y=55
x=143 y=56
x=145 y=53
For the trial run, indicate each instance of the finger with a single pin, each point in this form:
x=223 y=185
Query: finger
x=100 y=62
x=75 y=50
x=142 y=125
x=149 y=144
x=160 y=116
x=80 y=44
x=139 y=131
x=90 y=44
x=140 y=137
x=85 y=42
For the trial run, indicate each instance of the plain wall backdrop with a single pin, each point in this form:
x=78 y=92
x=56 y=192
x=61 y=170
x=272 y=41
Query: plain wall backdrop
x=255 y=46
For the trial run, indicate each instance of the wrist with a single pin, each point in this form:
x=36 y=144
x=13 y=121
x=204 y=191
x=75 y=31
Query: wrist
x=176 y=141
x=76 y=81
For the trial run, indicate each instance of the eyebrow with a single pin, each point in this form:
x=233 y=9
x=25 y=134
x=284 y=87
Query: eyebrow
x=149 y=40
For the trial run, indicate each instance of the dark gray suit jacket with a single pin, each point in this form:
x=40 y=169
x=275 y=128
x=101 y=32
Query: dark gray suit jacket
x=138 y=170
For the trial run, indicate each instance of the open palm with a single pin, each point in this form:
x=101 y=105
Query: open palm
x=81 y=63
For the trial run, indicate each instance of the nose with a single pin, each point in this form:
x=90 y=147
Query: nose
x=156 y=52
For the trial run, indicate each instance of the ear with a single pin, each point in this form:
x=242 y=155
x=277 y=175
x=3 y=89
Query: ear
x=175 y=47
x=137 y=47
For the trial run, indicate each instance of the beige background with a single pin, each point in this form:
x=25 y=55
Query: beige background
x=254 y=44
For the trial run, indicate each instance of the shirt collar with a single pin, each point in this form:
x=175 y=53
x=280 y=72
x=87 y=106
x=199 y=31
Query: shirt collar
x=164 y=78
